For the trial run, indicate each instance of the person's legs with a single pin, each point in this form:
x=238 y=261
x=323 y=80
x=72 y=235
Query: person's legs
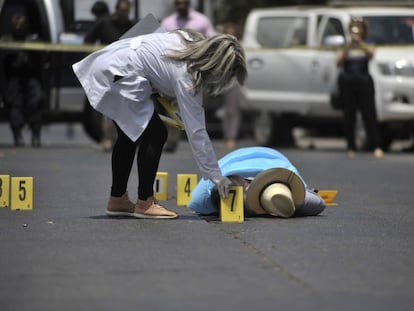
x=369 y=115
x=313 y=205
x=350 y=109
x=15 y=100
x=231 y=119
x=123 y=155
x=150 y=148
x=34 y=109
x=122 y=159
x=151 y=144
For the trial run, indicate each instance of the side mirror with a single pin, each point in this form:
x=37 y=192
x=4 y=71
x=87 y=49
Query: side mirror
x=335 y=41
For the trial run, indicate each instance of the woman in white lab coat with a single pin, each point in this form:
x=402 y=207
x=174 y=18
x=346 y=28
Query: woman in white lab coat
x=181 y=65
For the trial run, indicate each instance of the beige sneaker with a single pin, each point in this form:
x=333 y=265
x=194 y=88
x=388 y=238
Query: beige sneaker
x=152 y=210
x=120 y=206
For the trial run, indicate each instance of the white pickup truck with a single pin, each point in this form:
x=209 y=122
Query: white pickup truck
x=291 y=57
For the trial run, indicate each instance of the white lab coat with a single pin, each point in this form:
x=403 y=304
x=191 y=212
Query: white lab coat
x=141 y=70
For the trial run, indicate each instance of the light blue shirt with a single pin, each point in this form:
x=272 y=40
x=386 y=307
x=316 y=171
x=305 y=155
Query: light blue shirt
x=245 y=162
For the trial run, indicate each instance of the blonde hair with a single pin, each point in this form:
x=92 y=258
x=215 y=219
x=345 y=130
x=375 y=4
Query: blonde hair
x=215 y=63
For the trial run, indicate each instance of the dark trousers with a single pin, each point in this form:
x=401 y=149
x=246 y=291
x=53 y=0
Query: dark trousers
x=25 y=99
x=150 y=145
x=357 y=94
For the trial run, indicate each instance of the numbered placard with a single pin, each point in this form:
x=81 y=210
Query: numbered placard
x=4 y=190
x=185 y=185
x=21 y=193
x=161 y=186
x=232 y=207
x=328 y=196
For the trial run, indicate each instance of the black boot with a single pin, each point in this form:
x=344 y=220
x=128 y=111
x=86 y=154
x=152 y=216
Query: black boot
x=36 y=137
x=18 y=138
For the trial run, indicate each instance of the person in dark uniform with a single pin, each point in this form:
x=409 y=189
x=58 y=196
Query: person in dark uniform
x=109 y=28
x=356 y=89
x=23 y=92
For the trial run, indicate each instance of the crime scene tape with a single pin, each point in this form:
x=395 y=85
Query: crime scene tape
x=88 y=48
x=49 y=47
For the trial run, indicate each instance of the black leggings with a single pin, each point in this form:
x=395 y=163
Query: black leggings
x=150 y=145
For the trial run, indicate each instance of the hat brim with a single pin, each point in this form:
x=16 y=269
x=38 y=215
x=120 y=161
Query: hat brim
x=271 y=176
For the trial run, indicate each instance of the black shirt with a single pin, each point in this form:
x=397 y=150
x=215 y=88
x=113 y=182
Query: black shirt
x=107 y=30
x=356 y=62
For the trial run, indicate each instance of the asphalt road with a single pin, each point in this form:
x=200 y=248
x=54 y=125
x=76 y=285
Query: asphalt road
x=65 y=254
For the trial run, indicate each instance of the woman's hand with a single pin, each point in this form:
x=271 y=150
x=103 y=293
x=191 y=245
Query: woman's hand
x=223 y=185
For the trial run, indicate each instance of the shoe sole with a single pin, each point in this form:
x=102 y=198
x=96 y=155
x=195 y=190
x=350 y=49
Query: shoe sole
x=143 y=216
x=119 y=214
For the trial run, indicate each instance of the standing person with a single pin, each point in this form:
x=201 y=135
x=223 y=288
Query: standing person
x=356 y=88
x=232 y=99
x=100 y=9
x=107 y=29
x=23 y=92
x=187 y=18
x=180 y=65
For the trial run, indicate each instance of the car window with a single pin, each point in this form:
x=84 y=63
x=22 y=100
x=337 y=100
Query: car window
x=278 y=32
x=390 y=29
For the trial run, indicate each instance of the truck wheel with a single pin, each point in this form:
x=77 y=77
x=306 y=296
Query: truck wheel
x=273 y=130
x=92 y=122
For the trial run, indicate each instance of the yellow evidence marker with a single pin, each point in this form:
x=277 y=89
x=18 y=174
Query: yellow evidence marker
x=21 y=193
x=161 y=186
x=232 y=207
x=4 y=190
x=328 y=196
x=185 y=185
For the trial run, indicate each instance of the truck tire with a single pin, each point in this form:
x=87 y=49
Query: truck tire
x=273 y=130
x=92 y=122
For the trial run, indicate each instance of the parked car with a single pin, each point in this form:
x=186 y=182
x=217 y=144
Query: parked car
x=291 y=58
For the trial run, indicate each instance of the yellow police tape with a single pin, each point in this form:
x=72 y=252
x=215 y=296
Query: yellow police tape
x=49 y=47
x=88 y=48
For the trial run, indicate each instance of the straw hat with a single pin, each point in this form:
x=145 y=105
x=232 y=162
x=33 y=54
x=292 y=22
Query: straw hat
x=276 y=191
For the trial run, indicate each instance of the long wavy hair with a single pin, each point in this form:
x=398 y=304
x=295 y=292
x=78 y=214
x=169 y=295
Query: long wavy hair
x=215 y=63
